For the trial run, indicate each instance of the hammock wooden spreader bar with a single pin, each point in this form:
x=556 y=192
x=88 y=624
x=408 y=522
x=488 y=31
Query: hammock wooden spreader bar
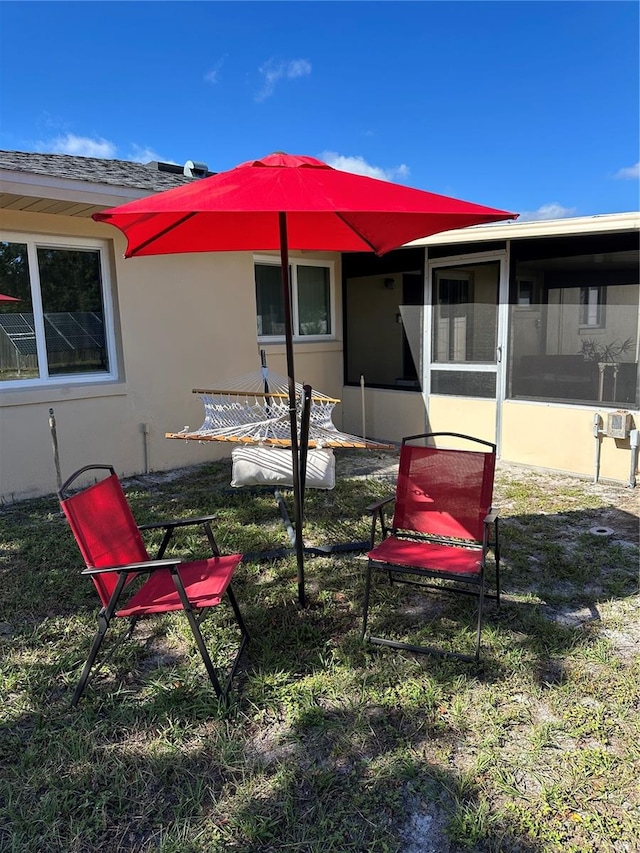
x=254 y=409
x=355 y=443
x=315 y=398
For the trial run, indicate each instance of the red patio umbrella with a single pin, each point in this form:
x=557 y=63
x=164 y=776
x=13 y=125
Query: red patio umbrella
x=285 y=202
x=4 y=298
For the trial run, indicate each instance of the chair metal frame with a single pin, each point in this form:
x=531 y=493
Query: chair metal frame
x=474 y=584
x=110 y=594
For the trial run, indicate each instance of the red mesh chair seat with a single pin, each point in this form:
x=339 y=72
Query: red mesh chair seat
x=443 y=524
x=428 y=556
x=115 y=555
x=205 y=582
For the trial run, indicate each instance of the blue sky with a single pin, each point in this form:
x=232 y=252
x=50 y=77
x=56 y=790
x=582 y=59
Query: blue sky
x=527 y=106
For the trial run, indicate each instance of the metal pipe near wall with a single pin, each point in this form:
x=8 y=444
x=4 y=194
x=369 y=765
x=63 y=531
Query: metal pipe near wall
x=145 y=445
x=54 y=443
x=634 y=438
x=596 y=434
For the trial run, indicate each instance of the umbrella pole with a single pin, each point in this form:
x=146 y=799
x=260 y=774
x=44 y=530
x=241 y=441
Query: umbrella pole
x=295 y=455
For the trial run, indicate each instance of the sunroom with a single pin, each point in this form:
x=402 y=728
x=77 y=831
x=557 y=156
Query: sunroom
x=528 y=336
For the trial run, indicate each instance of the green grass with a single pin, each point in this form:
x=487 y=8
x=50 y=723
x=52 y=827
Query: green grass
x=328 y=746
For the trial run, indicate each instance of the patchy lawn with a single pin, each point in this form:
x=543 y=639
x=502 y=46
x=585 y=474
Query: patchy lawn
x=330 y=746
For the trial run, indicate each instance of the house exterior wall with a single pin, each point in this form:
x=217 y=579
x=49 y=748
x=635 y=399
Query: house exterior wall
x=388 y=414
x=538 y=435
x=471 y=416
x=561 y=438
x=391 y=415
x=182 y=322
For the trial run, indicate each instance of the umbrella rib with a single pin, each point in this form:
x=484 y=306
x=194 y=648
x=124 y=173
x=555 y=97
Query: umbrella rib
x=357 y=233
x=161 y=234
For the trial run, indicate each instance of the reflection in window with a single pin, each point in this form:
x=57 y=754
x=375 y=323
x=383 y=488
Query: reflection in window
x=311 y=288
x=592 y=306
x=465 y=314
x=314 y=306
x=71 y=292
x=269 y=299
x=452 y=317
x=578 y=342
x=54 y=325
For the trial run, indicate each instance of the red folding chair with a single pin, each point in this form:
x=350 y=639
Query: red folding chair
x=443 y=525
x=114 y=552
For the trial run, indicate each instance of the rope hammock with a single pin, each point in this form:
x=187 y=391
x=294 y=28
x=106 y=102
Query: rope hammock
x=254 y=409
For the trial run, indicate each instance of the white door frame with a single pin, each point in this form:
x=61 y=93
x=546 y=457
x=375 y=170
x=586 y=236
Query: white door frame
x=499 y=367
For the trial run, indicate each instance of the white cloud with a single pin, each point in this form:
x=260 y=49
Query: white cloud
x=85 y=146
x=141 y=154
x=213 y=75
x=298 y=68
x=629 y=173
x=553 y=210
x=273 y=71
x=359 y=166
x=81 y=146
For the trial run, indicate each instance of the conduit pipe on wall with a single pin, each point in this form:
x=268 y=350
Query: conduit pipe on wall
x=634 y=438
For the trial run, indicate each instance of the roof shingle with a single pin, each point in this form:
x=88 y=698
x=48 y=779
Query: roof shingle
x=94 y=170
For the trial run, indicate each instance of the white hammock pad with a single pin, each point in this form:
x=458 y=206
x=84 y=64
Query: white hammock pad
x=254 y=465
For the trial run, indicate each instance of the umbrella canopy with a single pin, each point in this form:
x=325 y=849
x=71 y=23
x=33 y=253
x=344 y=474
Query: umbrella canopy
x=284 y=202
x=327 y=210
x=4 y=298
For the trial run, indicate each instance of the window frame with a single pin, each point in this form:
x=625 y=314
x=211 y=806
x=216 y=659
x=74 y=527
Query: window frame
x=33 y=242
x=294 y=263
x=600 y=307
x=440 y=276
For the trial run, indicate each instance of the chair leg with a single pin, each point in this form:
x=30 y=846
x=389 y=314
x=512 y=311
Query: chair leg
x=104 y=618
x=245 y=639
x=237 y=614
x=382 y=641
x=367 y=592
x=204 y=653
x=103 y=624
x=496 y=553
x=479 y=628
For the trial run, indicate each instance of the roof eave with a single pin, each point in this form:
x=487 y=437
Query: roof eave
x=63 y=189
x=535 y=228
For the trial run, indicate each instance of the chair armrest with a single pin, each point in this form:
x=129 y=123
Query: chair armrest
x=379 y=504
x=377 y=514
x=170 y=527
x=179 y=522
x=491 y=522
x=144 y=566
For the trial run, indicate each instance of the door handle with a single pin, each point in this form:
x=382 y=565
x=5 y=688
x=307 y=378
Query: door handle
x=498 y=354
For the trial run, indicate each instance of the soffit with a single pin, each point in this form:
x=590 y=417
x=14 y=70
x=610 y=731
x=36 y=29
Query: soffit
x=31 y=193
x=77 y=186
x=31 y=204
